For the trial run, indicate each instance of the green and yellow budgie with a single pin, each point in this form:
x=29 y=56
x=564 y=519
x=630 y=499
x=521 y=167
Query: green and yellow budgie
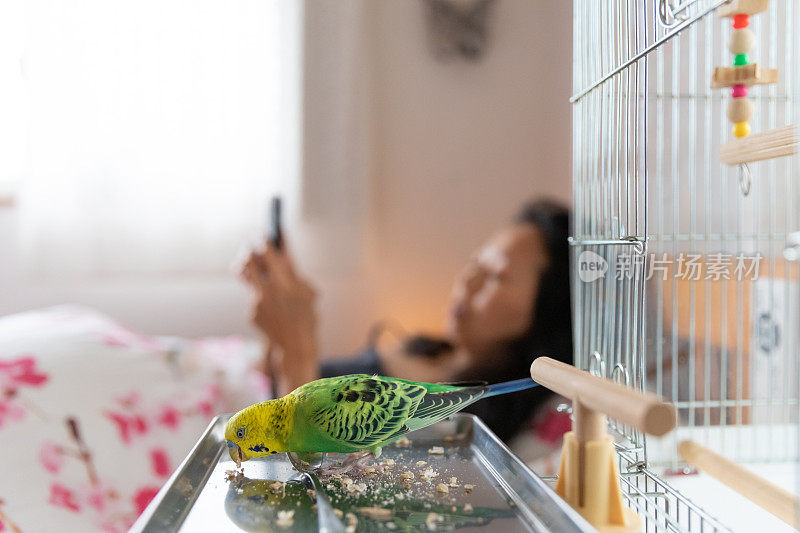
x=350 y=414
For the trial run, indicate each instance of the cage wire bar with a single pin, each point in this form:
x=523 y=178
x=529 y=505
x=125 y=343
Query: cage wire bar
x=656 y=217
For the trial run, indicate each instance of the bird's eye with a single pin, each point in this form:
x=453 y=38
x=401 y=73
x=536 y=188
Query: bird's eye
x=240 y=433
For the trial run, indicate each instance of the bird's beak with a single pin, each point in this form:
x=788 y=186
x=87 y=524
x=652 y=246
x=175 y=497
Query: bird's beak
x=236 y=454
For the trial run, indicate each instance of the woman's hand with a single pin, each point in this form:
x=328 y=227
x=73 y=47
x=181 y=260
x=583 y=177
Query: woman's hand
x=283 y=304
x=283 y=309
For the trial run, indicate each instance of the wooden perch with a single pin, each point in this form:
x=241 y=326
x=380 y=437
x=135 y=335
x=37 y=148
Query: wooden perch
x=780 y=142
x=644 y=411
x=745 y=7
x=745 y=75
x=755 y=488
x=587 y=478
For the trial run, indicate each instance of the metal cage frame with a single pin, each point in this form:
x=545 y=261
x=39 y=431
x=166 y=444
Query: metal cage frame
x=648 y=187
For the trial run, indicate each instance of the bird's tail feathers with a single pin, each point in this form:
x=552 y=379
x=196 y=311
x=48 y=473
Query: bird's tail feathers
x=510 y=386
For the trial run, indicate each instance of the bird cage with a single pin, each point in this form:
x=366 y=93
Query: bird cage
x=685 y=237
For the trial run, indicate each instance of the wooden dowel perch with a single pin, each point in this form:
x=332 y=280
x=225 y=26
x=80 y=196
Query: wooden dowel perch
x=755 y=488
x=645 y=411
x=780 y=142
x=587 y=478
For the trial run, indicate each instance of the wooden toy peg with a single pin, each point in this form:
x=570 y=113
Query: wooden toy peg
x=742 y=7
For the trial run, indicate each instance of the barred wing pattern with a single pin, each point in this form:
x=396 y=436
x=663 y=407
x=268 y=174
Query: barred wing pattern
x=436 y=406
x=366 y=410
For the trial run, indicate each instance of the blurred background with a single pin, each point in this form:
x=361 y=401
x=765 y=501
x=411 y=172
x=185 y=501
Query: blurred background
x=141 y=143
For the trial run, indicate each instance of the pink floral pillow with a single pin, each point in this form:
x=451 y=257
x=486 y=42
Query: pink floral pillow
x=94 y=418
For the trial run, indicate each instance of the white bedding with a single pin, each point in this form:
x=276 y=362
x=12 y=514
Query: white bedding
x=138 y=403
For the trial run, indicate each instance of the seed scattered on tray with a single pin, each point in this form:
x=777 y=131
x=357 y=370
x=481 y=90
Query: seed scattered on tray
x=376 y=513
x=429 y=473
x=356 y=488
x=432 y=520
x=312 y=493
x=352 y=522
x=277 y=487
x=453 y=482
x=285 y=519
x=403 y=442
x=407 y=475
x=388 y=464
x=436 y=450
x=441 y=487
x=185 y=486
x=421 y=463
x=468 y=488
x=232 y=475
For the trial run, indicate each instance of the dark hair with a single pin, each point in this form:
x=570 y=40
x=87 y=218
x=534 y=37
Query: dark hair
x=549 y=334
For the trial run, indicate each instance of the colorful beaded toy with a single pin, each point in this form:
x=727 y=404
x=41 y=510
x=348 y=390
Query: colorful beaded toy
x=740 y=77
x=740 y=109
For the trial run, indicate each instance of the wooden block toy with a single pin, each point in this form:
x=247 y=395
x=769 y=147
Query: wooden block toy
x=742 y=7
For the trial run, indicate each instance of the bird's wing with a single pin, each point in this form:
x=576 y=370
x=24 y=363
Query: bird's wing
x=438 y=405
x=363 y=410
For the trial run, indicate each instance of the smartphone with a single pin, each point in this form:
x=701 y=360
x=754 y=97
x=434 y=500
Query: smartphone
x=274 y=231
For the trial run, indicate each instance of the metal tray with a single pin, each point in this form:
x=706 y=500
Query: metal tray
x=507 y=496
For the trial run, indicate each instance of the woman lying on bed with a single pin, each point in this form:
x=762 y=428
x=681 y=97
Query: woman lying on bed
x=510 y=303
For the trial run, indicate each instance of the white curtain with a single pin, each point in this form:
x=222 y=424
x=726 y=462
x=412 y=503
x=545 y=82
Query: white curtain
x=156 y=131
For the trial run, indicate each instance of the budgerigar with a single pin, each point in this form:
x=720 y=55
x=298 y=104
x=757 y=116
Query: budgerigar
x=350 y=414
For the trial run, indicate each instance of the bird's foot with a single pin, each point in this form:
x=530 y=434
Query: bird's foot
x=306 y=461
x=356 y=460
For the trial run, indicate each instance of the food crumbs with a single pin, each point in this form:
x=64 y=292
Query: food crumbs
x=429 y=474
x=432 y=520
x=441 y=487
x=231 y=475
x=277 y=487
x=352 y=522
x=436 y=450
x=453 y=482
x=185 y=487
x=403 y=442
x=376 y=513
x=421 y=463
x=407 y=475
x=285 y=519
x=468 y=488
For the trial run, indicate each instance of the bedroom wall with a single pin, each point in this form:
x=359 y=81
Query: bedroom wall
x=449 y=152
